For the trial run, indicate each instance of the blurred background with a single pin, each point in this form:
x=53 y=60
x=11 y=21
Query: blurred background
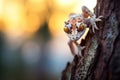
x=33 y=45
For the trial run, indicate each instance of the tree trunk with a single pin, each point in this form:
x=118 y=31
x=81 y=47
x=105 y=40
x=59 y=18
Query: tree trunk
x=107 y=60
x=104 y=46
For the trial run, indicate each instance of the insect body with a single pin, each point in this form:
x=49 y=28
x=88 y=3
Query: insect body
x=76 y=26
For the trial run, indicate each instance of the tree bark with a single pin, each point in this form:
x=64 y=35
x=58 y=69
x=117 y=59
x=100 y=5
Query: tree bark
x=104 y=45
x=107 y=60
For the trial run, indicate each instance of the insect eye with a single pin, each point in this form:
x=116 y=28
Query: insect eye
x=66 y=29
x=81 y=27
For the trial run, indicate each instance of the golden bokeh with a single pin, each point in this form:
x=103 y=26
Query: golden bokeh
x=56 y=23
x=26 y=16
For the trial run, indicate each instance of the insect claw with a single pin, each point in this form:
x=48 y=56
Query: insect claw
x=98 y=20
x=96 y=27
x=83 y=47
x=100 y=17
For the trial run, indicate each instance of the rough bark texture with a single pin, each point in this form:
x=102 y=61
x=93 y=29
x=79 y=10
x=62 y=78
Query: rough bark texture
x=104 y=44
x=107 y=60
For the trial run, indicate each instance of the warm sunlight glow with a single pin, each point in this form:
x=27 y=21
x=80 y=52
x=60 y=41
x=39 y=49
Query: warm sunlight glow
x=13 y=17
x=36 y=6
x=26 y=17
x=21 y=18
x=56 y=23
x=64 y=2
x=1 y=7
x=33 y=23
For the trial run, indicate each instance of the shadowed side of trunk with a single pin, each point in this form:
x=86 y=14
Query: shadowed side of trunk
x=107 y=60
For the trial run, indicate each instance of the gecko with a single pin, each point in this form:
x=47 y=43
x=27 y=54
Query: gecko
x=76 y=26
